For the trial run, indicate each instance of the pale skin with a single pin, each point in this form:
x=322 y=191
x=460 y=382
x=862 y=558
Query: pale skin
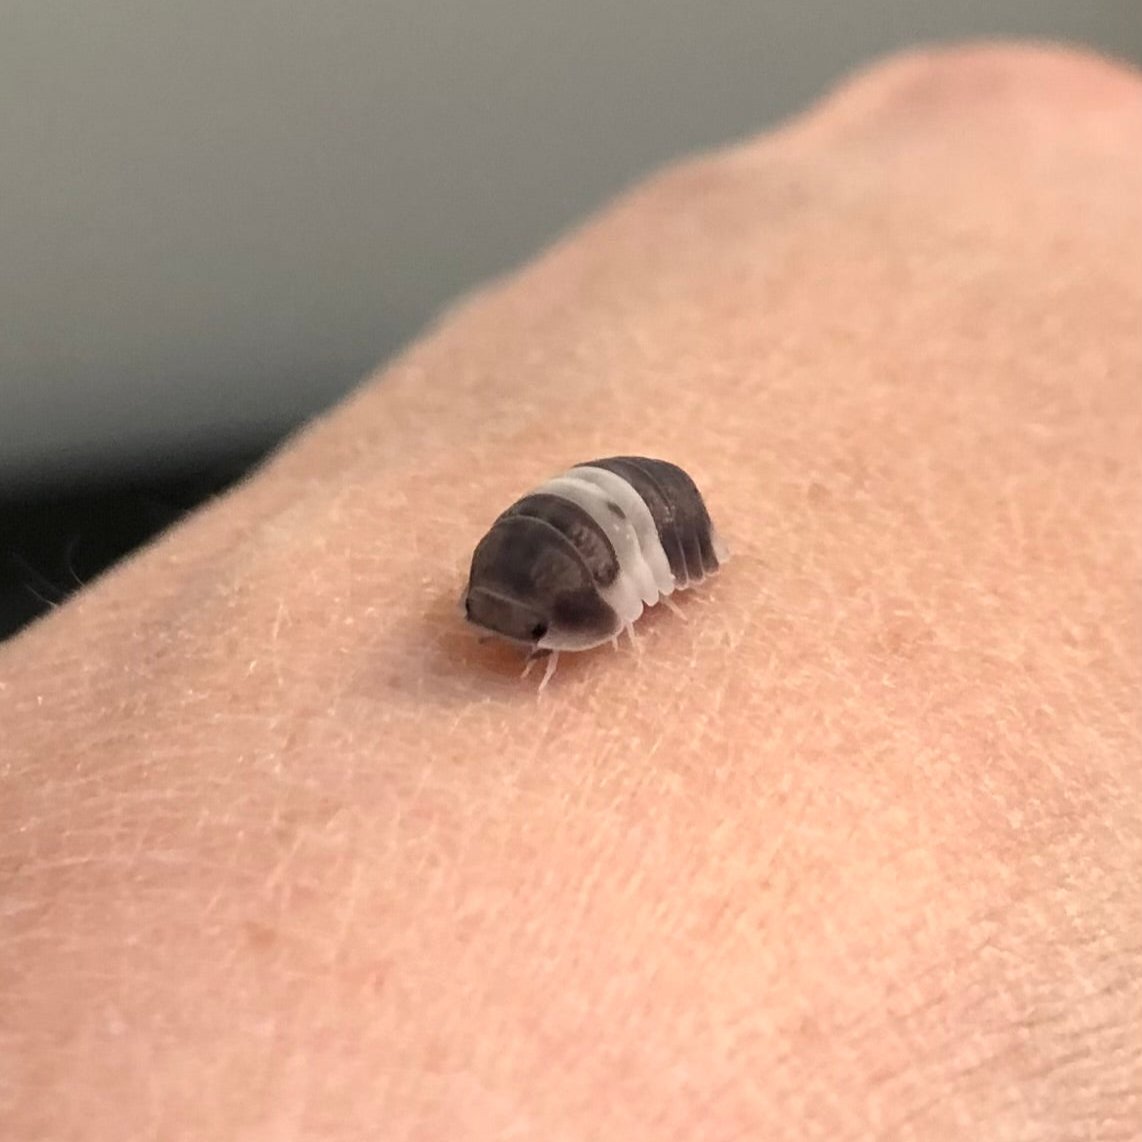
x=854 y=852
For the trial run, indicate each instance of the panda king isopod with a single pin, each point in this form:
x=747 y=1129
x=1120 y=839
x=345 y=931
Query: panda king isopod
x=572 y=564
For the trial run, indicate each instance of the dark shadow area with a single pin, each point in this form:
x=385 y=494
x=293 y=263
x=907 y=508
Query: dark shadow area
x=52 y=545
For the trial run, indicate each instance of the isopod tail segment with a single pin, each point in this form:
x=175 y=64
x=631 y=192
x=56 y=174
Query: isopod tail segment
x=574 y=563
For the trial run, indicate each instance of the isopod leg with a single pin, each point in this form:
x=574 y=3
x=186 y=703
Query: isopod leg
x=552 y=661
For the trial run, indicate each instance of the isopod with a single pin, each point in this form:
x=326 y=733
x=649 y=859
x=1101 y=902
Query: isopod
x=573 y=564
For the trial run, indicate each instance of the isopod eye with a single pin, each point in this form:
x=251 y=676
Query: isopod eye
x=538 y=631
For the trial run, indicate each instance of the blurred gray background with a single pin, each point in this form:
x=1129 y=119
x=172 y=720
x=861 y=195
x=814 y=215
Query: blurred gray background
x=216 y=216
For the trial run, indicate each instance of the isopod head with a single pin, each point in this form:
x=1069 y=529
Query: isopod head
x=526 y=588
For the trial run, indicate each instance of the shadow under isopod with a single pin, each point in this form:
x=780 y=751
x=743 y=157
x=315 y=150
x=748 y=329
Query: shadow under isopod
x=452 y=663
x=449 y=662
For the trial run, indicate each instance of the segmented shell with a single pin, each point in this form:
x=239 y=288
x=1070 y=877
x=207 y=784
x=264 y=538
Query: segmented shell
x=573 y=563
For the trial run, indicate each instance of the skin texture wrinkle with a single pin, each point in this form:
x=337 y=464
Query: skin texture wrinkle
x=854 y=853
